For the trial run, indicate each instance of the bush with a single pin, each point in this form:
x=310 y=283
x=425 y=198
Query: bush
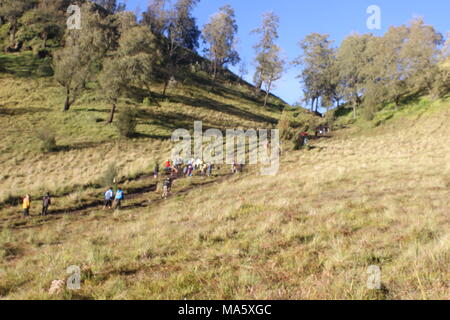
x=369 y=112
x=126 y=123
x=109 y=176
x=285 y=128
x=48 y=140
x=147 y=102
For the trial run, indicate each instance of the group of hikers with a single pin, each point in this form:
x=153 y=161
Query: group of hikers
x=26 y=204
x=172 y=170
x=113 y=201
x=186 y=168
x=303 y=137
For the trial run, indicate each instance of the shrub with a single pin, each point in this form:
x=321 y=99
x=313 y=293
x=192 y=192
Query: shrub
x=147 y=102
x=48 y=140
x=126 y=123
x=285 y=129
x=369 y=112
x=109 y=176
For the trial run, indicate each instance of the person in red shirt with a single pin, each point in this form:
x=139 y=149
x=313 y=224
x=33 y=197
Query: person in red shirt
x=168 y=167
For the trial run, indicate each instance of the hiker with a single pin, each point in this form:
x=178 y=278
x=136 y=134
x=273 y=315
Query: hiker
x=26 y=205
x=304 y=139
x=234 y=168
x=119 y=198
x=167 y=187
x=168 y=167
x=109 y=196
x=209 y=169
x=190 y=170
x=46 y=202
x=198 y=164
x=156 y=171
x=202 y=168
x=179 y=163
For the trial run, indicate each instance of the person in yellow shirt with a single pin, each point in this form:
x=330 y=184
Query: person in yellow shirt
x=26 y=205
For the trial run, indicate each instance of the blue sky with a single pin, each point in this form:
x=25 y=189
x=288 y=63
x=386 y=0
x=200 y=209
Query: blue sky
x=301 y=17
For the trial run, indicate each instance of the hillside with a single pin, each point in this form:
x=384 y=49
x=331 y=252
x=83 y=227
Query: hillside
x=31 y=101
x=373 y=193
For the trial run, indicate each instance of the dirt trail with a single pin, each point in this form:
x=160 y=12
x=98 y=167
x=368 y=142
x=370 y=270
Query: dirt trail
x=135 y=198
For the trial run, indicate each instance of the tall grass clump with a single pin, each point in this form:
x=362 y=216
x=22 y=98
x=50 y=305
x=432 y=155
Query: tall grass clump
x=48 y=139
x=109 y=176
x=126 y=123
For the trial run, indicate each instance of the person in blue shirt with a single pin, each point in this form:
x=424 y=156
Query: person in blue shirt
x=109 y=196
x=119 y=198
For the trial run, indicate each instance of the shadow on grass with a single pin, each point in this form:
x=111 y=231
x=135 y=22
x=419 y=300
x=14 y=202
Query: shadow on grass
x=209 y=104
x=25 y=65
x=21 y=111
x=343 y=111
x=151 y=136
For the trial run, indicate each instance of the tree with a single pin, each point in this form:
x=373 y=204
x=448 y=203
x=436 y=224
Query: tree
x=402 y=62
x=352 y=59
x=317 y=63
x=73 y=64
x=182 y=33
x=176 y=30
x=387 y=68
x=133 y=63
x=156 y=17
x=113 y=81
x=11 y=11
x=220 y=35
x=183 y=29
x=421 y=53
x=442 y=82
x=271 y=70
x=46 y=20
x=268 y=33
x=112 y=6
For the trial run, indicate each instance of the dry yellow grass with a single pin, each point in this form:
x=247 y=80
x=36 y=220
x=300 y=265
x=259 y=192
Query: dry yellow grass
x=374 y=197
x=88 y=147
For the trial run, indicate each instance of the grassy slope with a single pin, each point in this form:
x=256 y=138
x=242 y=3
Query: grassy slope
x=367 y=196
x=29 y=103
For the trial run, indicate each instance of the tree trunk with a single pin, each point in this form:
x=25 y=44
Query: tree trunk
x=13 y=31
x=166 y=84
x=267 y=93
x=67 y=103
x=111 y=115
x=397 y=102
x=258 y=88
x=354 y=109
x=312 y=104
x=266 y=98
x=258 y=85
x=213 y=85
x=45 y=40
x=151 y=96
x=215 y=72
